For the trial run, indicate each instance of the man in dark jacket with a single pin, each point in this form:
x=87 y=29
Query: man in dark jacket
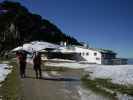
x=37 y=65
x=22 y=62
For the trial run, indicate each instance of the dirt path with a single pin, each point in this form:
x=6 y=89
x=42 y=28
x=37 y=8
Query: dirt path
x=53 y=86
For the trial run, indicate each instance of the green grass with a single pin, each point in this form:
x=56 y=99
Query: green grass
x=115 y=87
x=50 y=68
x=106 y=83
x=10 y=89
x=94 y=86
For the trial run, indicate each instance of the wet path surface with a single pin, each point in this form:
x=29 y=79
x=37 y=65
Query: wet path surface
x=61 y=85
x=53 y=86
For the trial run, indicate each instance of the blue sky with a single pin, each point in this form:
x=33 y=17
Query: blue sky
x=101 y=23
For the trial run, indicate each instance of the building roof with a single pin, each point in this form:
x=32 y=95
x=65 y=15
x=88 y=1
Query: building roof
x=98 y=49
x=106 y=51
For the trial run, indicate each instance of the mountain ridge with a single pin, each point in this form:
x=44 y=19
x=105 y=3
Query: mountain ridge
x=19 y=26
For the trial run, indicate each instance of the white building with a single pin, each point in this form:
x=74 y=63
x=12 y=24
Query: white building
x=91 y=55
x=73 y=52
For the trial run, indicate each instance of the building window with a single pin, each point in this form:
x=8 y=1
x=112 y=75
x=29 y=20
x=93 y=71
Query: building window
x=103 y=55
x=95 y=54
x=83 y=53
x=97 y=58
x=87 y=54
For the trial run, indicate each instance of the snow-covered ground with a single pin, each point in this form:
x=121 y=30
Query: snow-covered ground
x=73 y=65
x=59 y=60
x=120 y=74
x=62 y=63
x=4 y=71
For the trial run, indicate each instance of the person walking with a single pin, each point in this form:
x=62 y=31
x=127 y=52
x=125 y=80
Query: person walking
x=37 y=64
x=22 y=62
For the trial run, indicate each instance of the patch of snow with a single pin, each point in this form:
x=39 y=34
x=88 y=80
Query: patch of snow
x=61 y=60
x=5 y=62
x=55 y=73
x=67 y=65
x=121 y=74
x=4 y=71
x=44 y=58
x=45 y=74
x=62 y=63
x=89 y=95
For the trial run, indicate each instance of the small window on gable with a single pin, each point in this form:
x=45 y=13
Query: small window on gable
x=83 y=53
x=87 y=54
x=97 y=58
x=95 y=54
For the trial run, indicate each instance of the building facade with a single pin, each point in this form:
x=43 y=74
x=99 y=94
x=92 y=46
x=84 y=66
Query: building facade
x=89 y=55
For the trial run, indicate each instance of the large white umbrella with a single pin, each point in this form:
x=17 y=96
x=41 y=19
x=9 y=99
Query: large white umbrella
x=36 y=46
x=17 y=49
